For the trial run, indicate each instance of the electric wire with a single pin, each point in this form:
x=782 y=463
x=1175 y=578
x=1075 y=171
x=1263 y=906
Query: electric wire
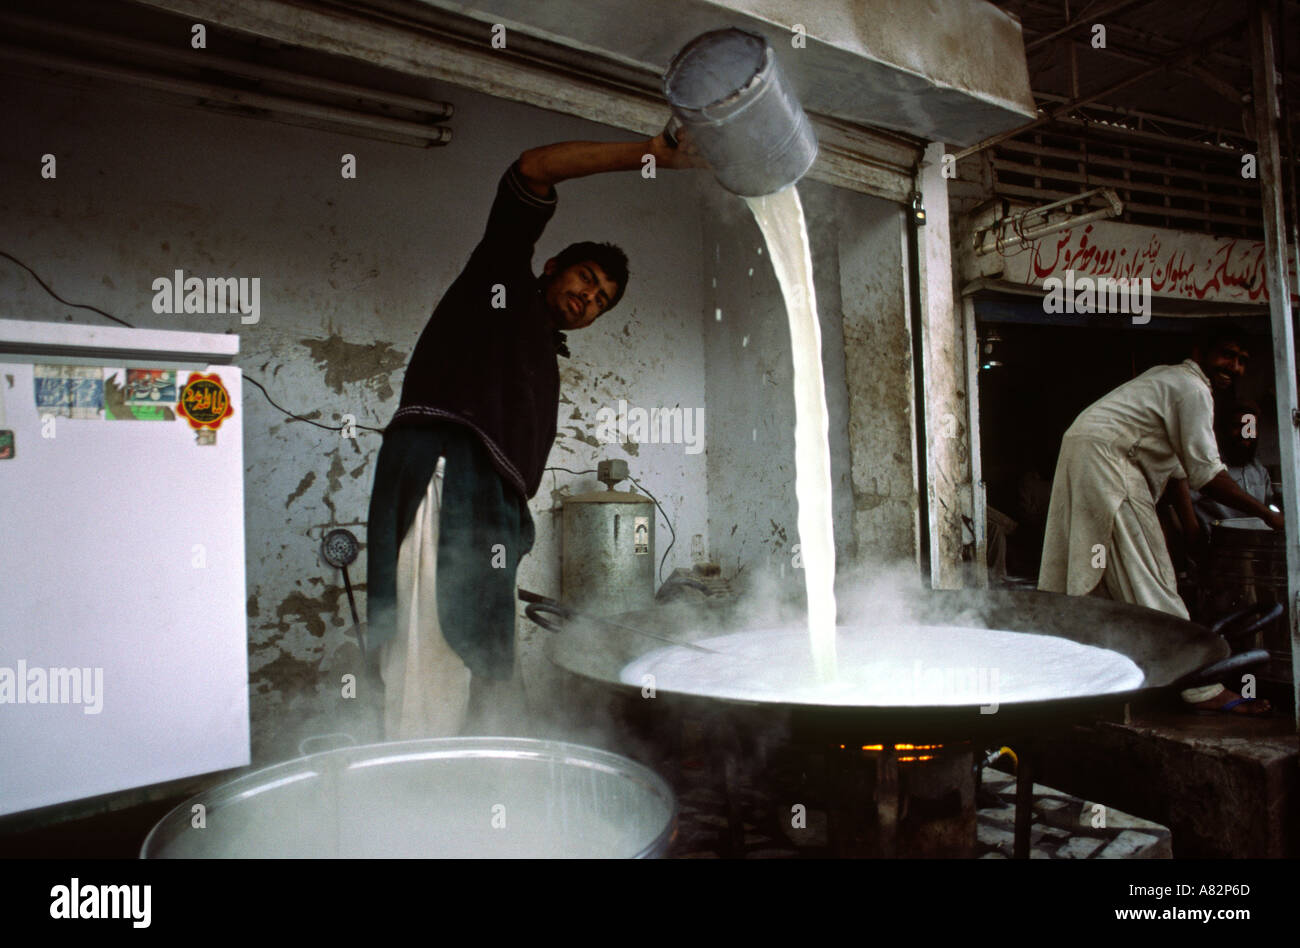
x=45 y=286
x=300 y=417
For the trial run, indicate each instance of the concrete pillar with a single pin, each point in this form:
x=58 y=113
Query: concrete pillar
x=878 y=374
x=1279 y=304
x=943 y=370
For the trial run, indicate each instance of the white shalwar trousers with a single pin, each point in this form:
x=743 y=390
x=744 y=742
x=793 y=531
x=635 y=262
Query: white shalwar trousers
x=1138 y=570
x=426 y=685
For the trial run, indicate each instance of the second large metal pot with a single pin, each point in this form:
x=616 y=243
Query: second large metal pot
x=447 y=798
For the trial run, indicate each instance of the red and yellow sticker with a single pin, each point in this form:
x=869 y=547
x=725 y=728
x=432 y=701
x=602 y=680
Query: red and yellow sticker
x=204 y=402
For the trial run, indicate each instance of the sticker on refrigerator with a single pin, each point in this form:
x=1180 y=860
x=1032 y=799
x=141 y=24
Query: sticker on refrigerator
x=51 y=390
x=150 y=386
x=120 y=406
x=204 y=401
x=69 y=391
x=641 y=535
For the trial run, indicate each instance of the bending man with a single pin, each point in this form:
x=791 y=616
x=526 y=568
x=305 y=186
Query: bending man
x=1103 y=536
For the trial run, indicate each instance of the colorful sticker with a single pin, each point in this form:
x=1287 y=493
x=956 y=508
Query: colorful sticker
x=150 y=386
x=70 y=391
x=204 y=402
x=118 y=408
x=51 y=390
x=6 y=445
x=86 y=384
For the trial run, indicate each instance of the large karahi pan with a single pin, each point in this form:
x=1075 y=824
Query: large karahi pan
x=1170 y=652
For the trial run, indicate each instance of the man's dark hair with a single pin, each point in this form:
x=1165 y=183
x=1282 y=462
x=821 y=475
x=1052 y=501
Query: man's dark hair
x=1211 y=339
x=608 y=257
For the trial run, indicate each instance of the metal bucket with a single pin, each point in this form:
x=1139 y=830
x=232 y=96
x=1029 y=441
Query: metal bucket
x=1247 y=566
x=449 y=798
x=1248 y=558
x=727 y=90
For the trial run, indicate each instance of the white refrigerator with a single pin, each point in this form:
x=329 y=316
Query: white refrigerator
x=123 y=637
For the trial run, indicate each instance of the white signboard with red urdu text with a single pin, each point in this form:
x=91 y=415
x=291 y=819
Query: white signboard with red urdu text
x=1179 y=264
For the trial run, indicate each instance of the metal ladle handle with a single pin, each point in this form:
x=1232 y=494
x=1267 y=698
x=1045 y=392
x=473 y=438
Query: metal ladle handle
x=538 y=604
x=1261 y=615
x=1232 y=663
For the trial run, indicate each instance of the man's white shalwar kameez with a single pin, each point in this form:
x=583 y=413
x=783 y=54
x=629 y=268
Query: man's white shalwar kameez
x=1114 y=464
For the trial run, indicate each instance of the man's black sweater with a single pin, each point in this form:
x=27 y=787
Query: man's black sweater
x=487 y=358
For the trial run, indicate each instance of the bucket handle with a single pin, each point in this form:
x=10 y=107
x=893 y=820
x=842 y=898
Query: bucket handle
x=534 y=612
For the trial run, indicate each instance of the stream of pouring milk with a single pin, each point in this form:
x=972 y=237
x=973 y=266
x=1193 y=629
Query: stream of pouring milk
x=780 y=217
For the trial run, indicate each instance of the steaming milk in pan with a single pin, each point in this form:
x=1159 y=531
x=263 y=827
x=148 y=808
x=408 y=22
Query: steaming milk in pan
x=780 y=217
x=900 y=666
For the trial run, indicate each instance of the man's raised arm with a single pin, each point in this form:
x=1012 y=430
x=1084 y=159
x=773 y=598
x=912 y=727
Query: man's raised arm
x=544 y=167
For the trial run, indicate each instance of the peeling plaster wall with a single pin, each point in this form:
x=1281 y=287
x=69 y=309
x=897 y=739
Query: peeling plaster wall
x=350 y=270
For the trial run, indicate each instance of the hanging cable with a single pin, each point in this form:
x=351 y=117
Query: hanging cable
x=47 y=289
x=300 y=417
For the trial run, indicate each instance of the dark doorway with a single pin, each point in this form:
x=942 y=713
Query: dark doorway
x=1039 y=375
